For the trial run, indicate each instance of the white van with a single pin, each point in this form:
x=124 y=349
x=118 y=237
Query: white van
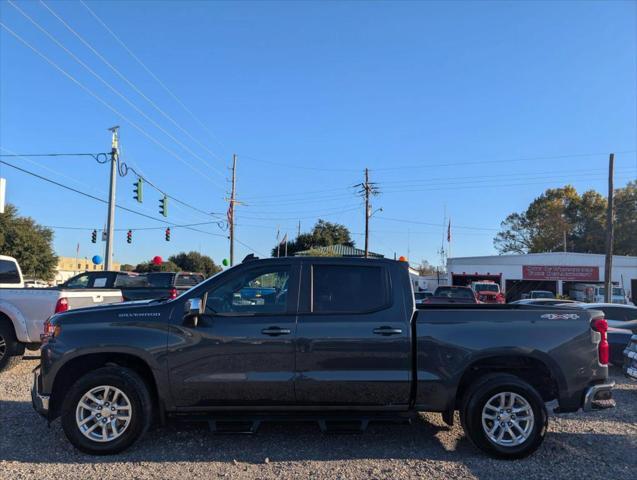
x=594 y=293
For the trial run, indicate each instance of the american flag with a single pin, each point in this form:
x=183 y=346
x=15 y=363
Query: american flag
x=449 y=232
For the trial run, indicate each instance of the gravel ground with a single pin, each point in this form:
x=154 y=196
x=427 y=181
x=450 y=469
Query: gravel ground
x=594 y=445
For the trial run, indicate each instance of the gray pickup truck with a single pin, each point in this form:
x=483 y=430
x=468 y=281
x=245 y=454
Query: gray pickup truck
x=324 y=338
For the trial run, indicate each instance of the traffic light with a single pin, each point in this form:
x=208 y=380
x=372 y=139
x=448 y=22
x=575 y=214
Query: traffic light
x=94 y=236
x=163 y=206
x=129 y=236
x=138 y=192
x=168 y=234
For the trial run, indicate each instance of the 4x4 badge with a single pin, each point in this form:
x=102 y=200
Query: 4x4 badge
x=560 y=316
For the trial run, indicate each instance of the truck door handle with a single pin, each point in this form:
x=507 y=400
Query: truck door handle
x=275 y=331
x=388 y=331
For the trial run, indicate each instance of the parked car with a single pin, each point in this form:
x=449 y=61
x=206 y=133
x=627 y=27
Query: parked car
x=543 y=301
x=488 y=291
x=622 y=324
x=134 y=286
x=618 y=340
x=630 y=358
x=335 y=336
x=452 y=294
x=420 y=297
x=618 y=316
x=23 y=310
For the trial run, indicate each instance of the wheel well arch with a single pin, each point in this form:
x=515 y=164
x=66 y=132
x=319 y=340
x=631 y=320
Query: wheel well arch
x=531 y=369
x=75 y=368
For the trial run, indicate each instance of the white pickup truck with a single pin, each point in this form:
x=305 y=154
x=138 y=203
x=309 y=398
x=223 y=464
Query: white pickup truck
x=23 y=311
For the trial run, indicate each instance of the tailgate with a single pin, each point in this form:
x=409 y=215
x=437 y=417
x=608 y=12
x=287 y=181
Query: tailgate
x=89 y=298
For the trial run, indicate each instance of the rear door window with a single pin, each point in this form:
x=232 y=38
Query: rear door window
x=349 y=289
x=9 y=272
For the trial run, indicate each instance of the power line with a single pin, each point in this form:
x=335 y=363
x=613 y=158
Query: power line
x=121 y=207
x=150 y=72
x=94 y=155
x=101 y=79
x=123 y=169
x=65 y=227
x=107 y=105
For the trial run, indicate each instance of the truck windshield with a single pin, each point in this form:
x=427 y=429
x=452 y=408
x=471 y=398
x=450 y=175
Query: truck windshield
x=454 y=292
x=487 y=287
x=617 y=291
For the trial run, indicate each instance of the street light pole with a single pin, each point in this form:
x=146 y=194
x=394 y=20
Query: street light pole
x=110 y=222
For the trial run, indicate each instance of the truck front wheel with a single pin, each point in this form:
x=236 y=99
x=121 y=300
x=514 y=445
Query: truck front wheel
x=504 y=416
x=106 y=411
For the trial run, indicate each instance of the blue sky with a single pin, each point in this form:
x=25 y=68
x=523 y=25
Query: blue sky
x=470 y=107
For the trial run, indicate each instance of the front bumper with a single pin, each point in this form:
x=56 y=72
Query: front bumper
x=40 y=402
x=599 y=397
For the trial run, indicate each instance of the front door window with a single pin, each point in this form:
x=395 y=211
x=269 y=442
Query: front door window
x=261 y=291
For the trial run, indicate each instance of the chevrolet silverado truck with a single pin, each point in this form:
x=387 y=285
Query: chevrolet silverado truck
x=332 y=339
x=23 y=311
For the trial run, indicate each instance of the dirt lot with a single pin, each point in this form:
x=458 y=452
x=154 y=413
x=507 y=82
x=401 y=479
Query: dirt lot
x=596 y=445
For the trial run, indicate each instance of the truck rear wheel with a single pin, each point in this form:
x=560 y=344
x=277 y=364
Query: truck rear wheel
x=106 y=411
x=10 y=350
x=504 y=416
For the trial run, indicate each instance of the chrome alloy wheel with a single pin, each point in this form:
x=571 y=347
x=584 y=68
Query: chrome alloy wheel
x=103 y=413
x=507 y=419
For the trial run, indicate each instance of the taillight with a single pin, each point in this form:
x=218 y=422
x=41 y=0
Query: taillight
x=62 y=305
x=601 y=326
x=50 y=330
x=173 y=293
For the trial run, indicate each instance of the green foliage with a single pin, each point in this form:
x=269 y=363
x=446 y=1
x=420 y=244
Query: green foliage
x=626 y=220
x=29 y=243
x=323 y=234
x=127 y=267
x=149 y=266
x=195 y=262
x=317 y=252
x=541 y=228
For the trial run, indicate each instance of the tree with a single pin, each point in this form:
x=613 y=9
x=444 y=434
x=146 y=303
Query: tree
x=626 y=220
x=323 y=234
x=562 y=212
x=29 y=243
x=127 y=267
x=195 y=262
x=425 y=268
x=146 y=267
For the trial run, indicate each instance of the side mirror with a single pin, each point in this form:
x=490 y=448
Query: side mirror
x=192 y=309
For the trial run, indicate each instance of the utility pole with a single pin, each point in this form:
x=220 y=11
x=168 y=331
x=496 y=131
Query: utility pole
x=367 y=213
x=231 y=207
x=110 y=222
x=610 y=233
x=298 y=230
x=367 y=189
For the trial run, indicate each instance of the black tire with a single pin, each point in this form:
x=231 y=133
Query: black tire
x=140 y=402
x=477 y=397
x=10 y=348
